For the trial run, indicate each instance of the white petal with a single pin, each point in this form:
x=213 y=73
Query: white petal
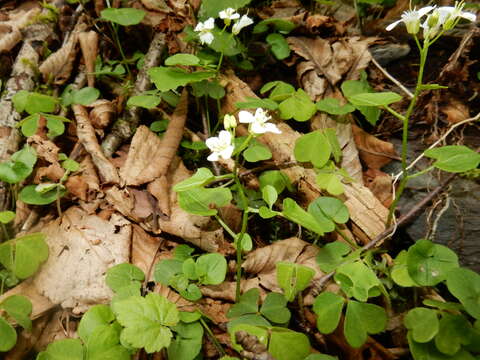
x=209 y=23
x=199 y=27
x=227 y=153
x=425 y=10
x=206 y=38
x=213 y=157
x=245 y=117
x=225 y=137
x=392 y=25
x=269 y=127
x=258 y=128
x=469 y=16
x=212 y=142
x=240 y=24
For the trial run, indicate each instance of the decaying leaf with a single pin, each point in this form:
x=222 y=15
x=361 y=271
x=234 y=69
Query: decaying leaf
x=89 y=45
x=380 y=184
x=102 y=113
x=10 y=34
x=81 y=249
x=375 y=153
x=9 y=40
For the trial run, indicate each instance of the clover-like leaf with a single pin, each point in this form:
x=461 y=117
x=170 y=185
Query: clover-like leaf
x=146 y=321
x=399 y=271
x=353 y=87
x=247 y=304
x=332 y=255
x=362 y=319
x=374 y=99
x=66 y=349
x=19 y=308
x=167 y=78
x=199 y=200
x=429 y=351
x=6 y=216
x=30 y=195
x=357 y=280
x=182 y=59
x=332 y=208
x=23 y=255
x=211 y=269
x=122 y=275
x=423 y=324
x=257 y=152
x=429 y=263
x=166 y=269
x=293 y=278
x=8 y=335
x=286 y=344
x=274 y=308
x=328 y=307
x=313 y=147
x=279 y=45
x=97 y=315
x=454 y=158
x=144 y=101
x=123 y=16
x=332 y=106
x=464 y=284
x=104 y=343
x=454 y=332
x=85 y=96
x=299 y=106
x=292 y=211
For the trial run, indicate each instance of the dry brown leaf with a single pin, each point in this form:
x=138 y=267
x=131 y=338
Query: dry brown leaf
x=89 y=45
x=45 y=149
x=77 y=187
x=86 y=135
x=102 y=113
x=54 y=330
x=53 y=172
x=455 y=111
x=9 y=40
x=82 y=247
x=226 y=290
x=375 y=153
x=380 y=184
x=144 y=250
x=27 y=339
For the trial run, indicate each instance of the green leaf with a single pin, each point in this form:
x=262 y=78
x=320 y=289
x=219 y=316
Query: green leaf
x=422 y=323
x=281 y=90
x=123 y=16
x=208 y=88
x=269 y=194
x=432 y=87
x=122 y=275
x=332 y=106
x=166 y=269
x=254 y=103
x=26 y=156
x=8 y=335
x=202 y=177
x=454 y=332
x=33 y=102
x=192 y=292
x=166 y=78
x=353 y=87
x=313 y=147
x=97 y=315
x=6 y=216
x=85 y=96
x=189 y=269
x=211 y=269
x=299 y=106
x=293 y=212
x=282 y=26
x=443 y=305
x=328 y=307
x=325 y=223
x=429 y=263
x=29 y=125
x=357 y=280
x=256 y=330
x=428 y=351
x=211 y=8
x=278 y=46
x=454 y=158
x=223 y=42
x=362 y=319
x=331 y=182
x=247 y=304
x=19 y=308
x=331 y=136
x=374 y=99
x=188 y=317
x=19 y=167
x=20 y=100
x=70 y=165
x=399 y=271
x=146 y=321
x=184 y=349
x=55 y=125
x=23 y=255
x=320 y=357
x=144 y=101
x=275 y=178
x=293 y=278
x=199 y=201
x=103 y=344
x=332 y=208
x=182 y=59
x=248 y=319
x=257 y=152
x=286 y=344
x=332 y=255
x=30 y=195
x=464 y=284
x=266 y=213
x=274 y=308
x=66 y=349
x=134 y=289
x=183 y=252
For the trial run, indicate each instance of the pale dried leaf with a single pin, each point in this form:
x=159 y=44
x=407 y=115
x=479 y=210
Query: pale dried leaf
x=144 y=250
x=102 y=113
x=89 y=45
x=59 y=65
x=226 y=290
x=45 y=148
x=380 y=184
x=375 y=153
x=82 y=248
x=9 y=40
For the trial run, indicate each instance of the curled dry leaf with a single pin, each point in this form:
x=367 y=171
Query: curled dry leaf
x=102 y=113
x=86 y=135
x=375 y=153
x=82 y=248
x=380 y=184
x=89 y=45
x=53 y=173
x=10 y=34
x=45 y=148
x=455 y=111
x=9 y=40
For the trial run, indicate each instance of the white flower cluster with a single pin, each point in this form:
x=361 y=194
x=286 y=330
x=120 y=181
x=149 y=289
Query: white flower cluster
x=221 y=146
x=444 y=17
x=204 y=29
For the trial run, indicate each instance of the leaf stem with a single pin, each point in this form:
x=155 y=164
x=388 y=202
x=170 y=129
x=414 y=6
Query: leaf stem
x=212 y=337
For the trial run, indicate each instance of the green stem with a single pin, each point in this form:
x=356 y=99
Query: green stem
x=406 y=118
x=345 y=237
x=225 y=226
x=5 y=232
x=212 y=337
x=424 y=171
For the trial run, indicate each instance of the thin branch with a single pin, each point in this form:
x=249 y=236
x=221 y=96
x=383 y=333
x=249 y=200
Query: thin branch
x=392 y=79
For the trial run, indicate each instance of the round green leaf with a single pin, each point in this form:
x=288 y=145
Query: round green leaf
x=423 y=324
x=211 y=269
x=66 y=349
x=464 y=284
x=279 y=45
x=122 y=275
x=104 y=343
x=332 y=255
x=182 y=59
x=145 y=101
x=399 y=272
x=166 y=269
x=257 y=152
x=357 y=280
x=332 y=208
x=313 y=147
x=19 y=308
x=374 y=99
x=29 y=195
x=6 y=216
x=97 y=315
x=269 y=194
x=332 y=106
x=8 y=335
x=454 y=332
x=299 y=106
x=123 y=16
x=362 y=319
x=85 y=96
x=274 y=308
x=286 y=344
x=166 y=78
x=248 y=304
x=454 y=158
x=328 y=307
x=429 y=263
x=192 y=293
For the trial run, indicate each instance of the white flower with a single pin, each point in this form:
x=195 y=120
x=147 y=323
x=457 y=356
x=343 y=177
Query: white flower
x=240 y=24
x=228 y=15
x=259 y=122
x=411 y=19
x=450 y=15
x=205 y=31
x=220 y=146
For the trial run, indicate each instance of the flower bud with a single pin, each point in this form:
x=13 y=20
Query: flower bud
x=229 y=122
